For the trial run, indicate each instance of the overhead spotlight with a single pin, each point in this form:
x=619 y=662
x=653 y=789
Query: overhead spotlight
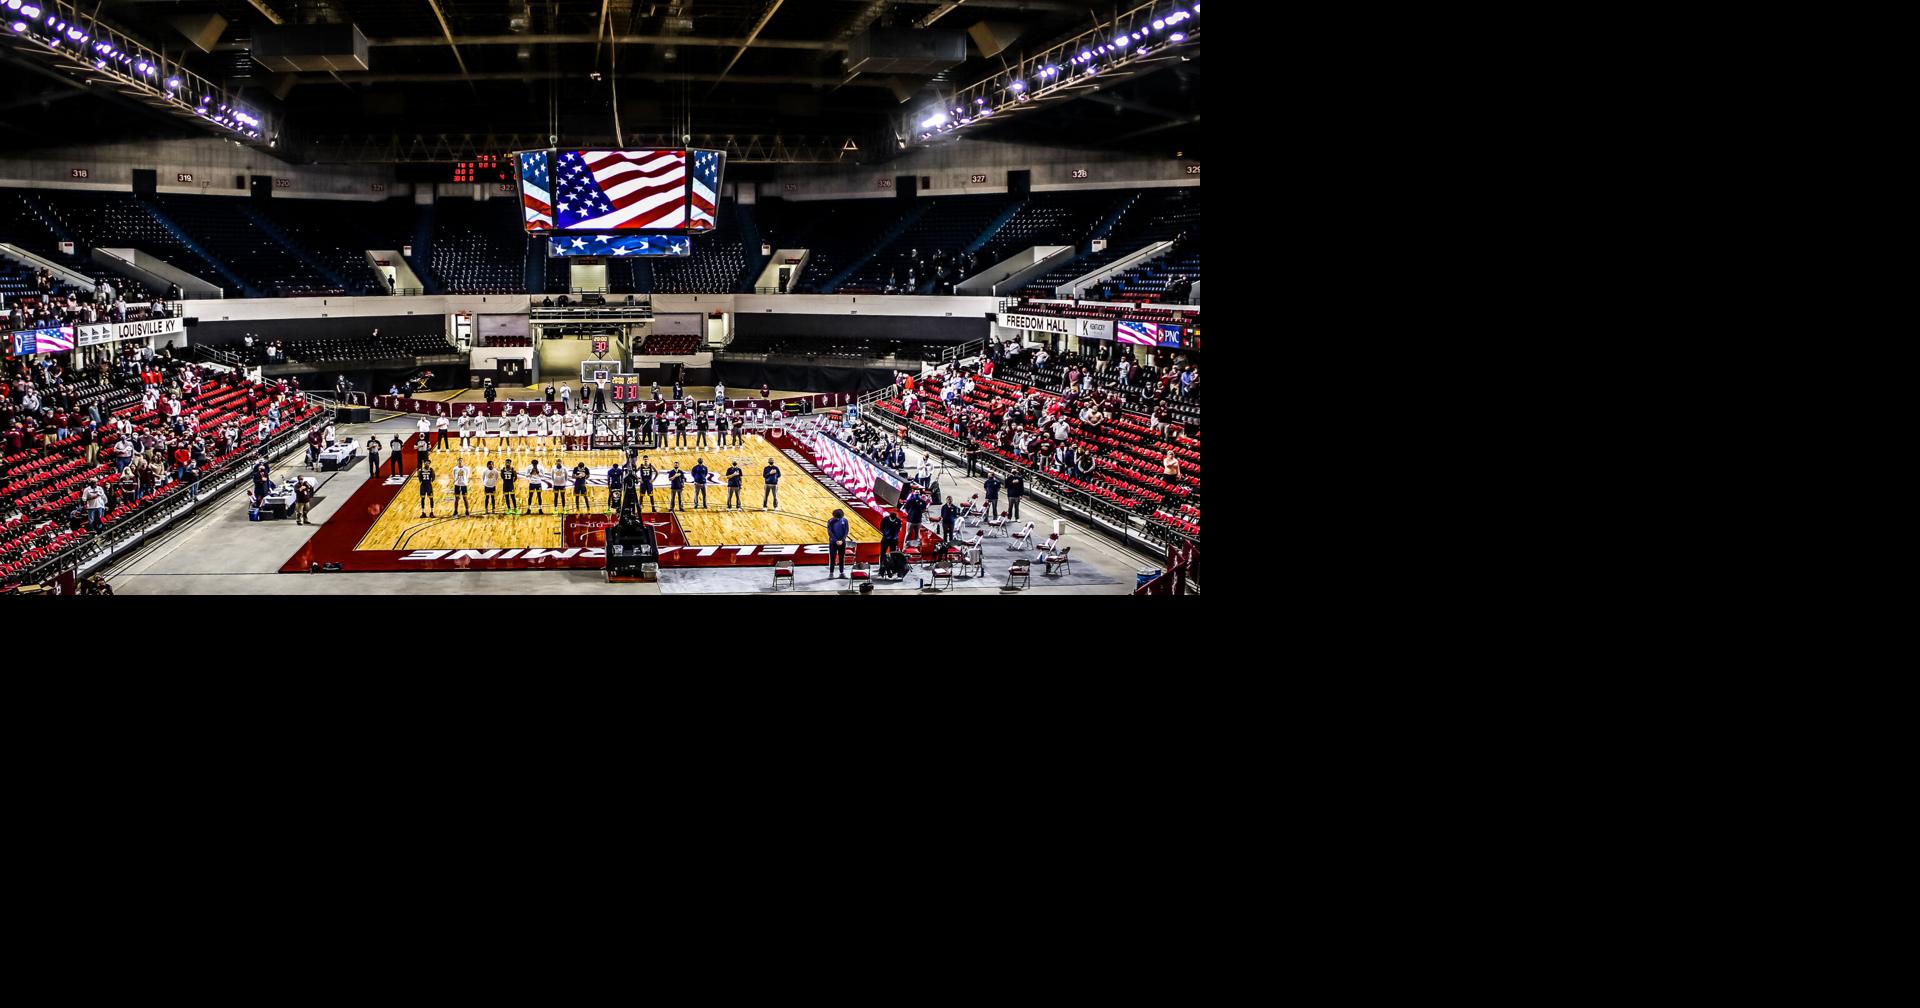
x=1159 y=24
x=13 y=4
x=936 y=119
x=173 y=82
x=1176 y=37
x=30 y=10
x=99 y=64
x=19 y=26
x=979 y=101
x=1085 y=54
x=1120 y=43
x=141 y=66
x=1016 y=86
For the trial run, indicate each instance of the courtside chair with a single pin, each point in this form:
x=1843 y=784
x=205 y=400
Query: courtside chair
x=783 y=571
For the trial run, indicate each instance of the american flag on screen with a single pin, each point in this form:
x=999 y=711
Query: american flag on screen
x=1139 y=333
x=55 y=340
x=621 y=189
x=706 y=182
x=535 y=203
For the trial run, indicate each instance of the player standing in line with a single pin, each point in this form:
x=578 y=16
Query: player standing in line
x=426 y=486
x=523 y=430
x=461 y=424
x=557 y=479
x=676 y=479
x=701 y=475
x=580 y=474
x=739 y=428
x=507 y=478
x=489 y=478
x=733 y=485
x=614 y=480
x=772 y=475
x=700 y=440
x=460 y=476
x=540 y=425
x=680 y=433
x=647 y=472
x=536 y=481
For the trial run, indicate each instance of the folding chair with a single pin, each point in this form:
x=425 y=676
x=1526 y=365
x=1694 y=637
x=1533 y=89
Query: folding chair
x=859 y=572
x=1021 y=537
x=1057 y=563
x=1022 y=572
x=942 y=576
x=783 y=571
x=996 y=525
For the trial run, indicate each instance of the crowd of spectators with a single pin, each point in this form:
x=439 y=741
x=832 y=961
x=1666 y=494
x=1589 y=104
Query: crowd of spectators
x=87 y=443
x=54 y=304
x=1085 y=435
x=914 y=268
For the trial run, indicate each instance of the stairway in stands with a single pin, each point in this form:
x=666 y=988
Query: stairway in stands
x=301 y=252
x=187 y=242
x=750 y=241
x=422 y=258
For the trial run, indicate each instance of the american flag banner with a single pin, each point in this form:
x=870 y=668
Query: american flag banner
x=619 y=245
x=535 y=203
x=706 y=190
x=847 y=469
x=1137 y=333
x=56 y=340
x=627 y=190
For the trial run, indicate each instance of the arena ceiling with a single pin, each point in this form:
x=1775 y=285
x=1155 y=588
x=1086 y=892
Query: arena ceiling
x=488 y=70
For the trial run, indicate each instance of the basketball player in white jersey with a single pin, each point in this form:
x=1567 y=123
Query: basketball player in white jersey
x=461 y=475
x=536 y=481
x=538 y=425
x=489 y=479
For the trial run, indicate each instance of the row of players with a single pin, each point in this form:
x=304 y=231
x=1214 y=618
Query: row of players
x=571 y=429
x=636 y=480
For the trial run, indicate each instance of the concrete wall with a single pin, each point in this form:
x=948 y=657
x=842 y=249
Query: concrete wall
x=442 y=305
x=212 y=162
x=952 y=163
x=927 y=306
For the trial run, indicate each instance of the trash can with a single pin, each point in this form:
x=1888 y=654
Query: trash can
x=1145 y=576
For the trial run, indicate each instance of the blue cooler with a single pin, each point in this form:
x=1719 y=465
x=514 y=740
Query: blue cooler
x=1141 y=579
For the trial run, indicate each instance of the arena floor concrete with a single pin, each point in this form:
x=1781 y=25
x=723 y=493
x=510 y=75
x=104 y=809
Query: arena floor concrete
x=220 y=552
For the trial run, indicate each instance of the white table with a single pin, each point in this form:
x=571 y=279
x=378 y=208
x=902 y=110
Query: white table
x=339 y=456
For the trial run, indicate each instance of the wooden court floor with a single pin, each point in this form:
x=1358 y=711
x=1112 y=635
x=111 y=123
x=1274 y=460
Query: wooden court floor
x=805 y=505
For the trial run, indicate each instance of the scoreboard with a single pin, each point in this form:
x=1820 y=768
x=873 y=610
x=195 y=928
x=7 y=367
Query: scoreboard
x=485 y=169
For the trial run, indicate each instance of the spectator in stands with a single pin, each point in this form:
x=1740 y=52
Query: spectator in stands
x=1170 y=467
x=94 y=500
